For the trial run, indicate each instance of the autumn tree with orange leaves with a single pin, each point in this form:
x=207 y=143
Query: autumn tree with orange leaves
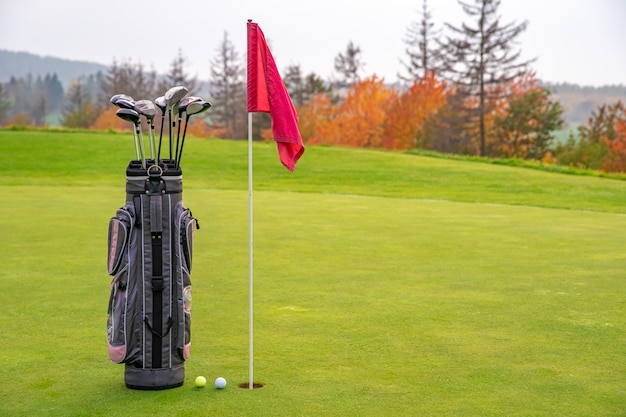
x=409 y=111
x=315 y=118
x=615 y=159
x=107 y=119
x=372 y=114
x=358 y=120
x=363 y=113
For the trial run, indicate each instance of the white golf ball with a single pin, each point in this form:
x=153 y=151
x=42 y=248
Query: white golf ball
x=220 y=383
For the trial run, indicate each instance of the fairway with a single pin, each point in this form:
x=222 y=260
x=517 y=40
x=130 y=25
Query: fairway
x=385 y=284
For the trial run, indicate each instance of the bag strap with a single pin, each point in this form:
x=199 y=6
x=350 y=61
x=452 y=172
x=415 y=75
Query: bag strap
x=170 y=321
x=156 y=235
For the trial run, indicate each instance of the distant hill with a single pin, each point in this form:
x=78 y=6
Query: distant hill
x=579 y=101
x=20 y=64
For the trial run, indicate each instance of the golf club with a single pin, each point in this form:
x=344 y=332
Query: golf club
x=132 y=116
x=173 y=96
x=182 y=107
x=123 y=103
x=160 y=103
x=147 y=109
x=192 y=108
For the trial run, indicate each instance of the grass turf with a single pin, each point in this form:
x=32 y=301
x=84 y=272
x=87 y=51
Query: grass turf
x=385 y=284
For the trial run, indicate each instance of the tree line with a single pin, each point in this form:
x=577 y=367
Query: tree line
x=464 y=89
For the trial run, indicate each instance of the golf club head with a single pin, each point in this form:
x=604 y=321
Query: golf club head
x=145 y=108
x=116 y=97
x=123 y=103
x=197 y=107
x=160 y=103
x=182 y=106
x=194 y=107
x=129 y=115
x=175 y=94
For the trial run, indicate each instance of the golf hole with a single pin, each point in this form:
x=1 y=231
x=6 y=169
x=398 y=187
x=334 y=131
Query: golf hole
x=255 y=385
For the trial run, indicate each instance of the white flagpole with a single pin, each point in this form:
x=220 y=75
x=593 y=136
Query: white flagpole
x=250 y=247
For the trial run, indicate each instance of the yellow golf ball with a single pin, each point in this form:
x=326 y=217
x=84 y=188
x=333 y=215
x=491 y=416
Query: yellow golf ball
x=200 y=382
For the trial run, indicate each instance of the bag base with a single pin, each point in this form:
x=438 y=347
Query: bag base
x=154 y=379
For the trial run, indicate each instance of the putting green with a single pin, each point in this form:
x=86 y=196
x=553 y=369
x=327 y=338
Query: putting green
x=365 y=303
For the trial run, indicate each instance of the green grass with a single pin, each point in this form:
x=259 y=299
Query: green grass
x=385 y=284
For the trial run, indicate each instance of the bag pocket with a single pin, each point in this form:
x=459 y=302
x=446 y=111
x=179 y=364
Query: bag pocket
x=116 y=317
x=118 y=237
x=187 y=317
x=188 y=224
x=120 y=229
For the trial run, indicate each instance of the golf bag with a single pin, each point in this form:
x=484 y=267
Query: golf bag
x=150 y=252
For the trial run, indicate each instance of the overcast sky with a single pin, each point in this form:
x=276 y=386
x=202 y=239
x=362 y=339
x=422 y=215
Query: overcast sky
x=576 y=41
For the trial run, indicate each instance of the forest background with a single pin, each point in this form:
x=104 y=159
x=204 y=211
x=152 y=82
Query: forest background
x=460 y=89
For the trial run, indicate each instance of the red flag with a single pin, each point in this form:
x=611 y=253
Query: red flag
x=267 y=94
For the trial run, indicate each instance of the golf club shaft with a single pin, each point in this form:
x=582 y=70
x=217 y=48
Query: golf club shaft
x=161 y=137
x=150 y=139
x=178 y=137
x=153 y=141
x=172 y=126
x=140 y=134
x=180 y=155
x=136 y=146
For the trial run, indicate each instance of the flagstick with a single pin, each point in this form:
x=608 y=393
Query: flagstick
x=250 y=246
